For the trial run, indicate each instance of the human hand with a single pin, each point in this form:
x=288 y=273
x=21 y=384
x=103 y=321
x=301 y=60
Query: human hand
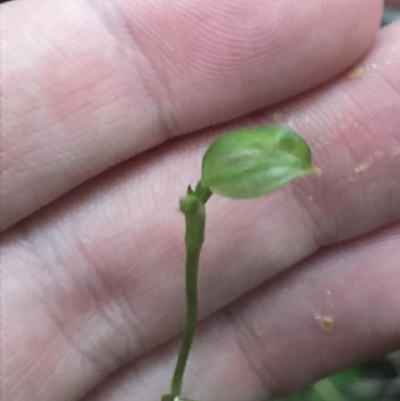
x=96 y=98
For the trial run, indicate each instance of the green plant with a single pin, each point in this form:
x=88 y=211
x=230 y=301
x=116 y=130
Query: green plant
x=375 y=380
x=240 y=165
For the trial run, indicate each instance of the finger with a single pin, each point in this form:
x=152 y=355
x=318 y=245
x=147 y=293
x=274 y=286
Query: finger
x=107 y=260
x=102 y=85
x=330 y=312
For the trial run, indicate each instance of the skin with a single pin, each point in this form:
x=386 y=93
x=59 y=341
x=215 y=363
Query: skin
x=106 y=114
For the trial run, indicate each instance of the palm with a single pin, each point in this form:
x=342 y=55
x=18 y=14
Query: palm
x=93 y=282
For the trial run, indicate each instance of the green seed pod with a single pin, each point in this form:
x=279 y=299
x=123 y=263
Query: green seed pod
x=253 y=162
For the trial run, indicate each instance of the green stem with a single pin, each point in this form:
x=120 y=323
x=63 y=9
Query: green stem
x=192 y=206
x=192 y=262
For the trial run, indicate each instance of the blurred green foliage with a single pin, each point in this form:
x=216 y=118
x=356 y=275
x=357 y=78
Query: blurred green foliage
x=375 y=380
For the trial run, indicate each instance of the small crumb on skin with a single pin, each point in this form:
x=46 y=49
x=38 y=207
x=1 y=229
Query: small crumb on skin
x=363 y=166
x=316 y=171
x=357 y=72
x=326 y=323
x=276 y=118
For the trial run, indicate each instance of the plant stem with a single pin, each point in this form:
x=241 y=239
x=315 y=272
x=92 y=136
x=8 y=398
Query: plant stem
x=192 y=261
x=192 y=206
